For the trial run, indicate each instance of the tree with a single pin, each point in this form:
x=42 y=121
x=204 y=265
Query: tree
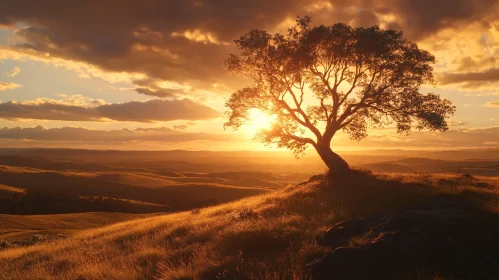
x=317 y=81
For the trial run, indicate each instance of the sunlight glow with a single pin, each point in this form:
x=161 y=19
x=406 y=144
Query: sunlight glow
x=258 y=120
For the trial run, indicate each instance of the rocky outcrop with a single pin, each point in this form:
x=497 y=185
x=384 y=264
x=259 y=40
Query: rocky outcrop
x=430 y=237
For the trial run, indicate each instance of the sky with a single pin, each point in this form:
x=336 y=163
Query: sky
x=150 y=74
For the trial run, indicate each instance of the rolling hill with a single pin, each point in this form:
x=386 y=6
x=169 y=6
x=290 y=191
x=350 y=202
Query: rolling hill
x=269 y=236
x=86 y=188
x=479 y=167
x=20 y=228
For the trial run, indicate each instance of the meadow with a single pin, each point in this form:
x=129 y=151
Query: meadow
x=206 y=215
x=268 y=236
x=39 y=186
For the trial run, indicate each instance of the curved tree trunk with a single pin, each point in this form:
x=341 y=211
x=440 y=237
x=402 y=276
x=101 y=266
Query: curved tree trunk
x=333 y=161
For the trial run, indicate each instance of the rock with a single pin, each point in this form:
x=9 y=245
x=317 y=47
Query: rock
x=342 y=232
x=400 y=242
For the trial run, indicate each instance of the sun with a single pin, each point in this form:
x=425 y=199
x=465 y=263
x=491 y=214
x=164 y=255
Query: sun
x=258 y=120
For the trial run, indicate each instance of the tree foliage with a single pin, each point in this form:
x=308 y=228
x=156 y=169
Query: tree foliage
x=318 y=81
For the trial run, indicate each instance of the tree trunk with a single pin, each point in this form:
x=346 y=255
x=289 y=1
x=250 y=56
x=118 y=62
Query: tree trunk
x=333 y=161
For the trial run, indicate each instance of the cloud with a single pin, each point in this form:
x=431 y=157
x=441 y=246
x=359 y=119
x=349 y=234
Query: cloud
x=457 y=123
x=472 y=78
x=197 y=35
x=47 y=111
x=422 y=18
x=467 y=63
x=79 y=134
x=492 y=104
x=6 y=86
x=161 y=93
x=78 y=108
x=188 y=40
x=181 y=127
x=83 y=69
x=451 y=139
x=73 y=100
x=467 y=59
x=157 y=110
x=14 y=72
x=159 y=88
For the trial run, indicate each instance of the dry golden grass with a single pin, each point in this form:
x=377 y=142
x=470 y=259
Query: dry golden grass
x=270 y=236
x=139 y=186
x=15 y=227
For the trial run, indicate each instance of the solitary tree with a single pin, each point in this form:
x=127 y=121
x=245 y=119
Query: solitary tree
x=317 y=81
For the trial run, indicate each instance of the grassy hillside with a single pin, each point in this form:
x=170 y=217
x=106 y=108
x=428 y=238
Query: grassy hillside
x=33 y=203
x=61 y=221
x=125 y=191
x=19 y=227
x=270 y=236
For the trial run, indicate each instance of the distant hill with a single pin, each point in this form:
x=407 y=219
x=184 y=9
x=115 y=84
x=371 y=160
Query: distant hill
x=59 y=186
x=168 y=162
x=409 y=165
x=150 y=192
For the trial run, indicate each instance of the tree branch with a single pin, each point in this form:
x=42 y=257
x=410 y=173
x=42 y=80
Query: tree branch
x=300 y=139
x=361 y=104
x=307 y=124
x=324 y=108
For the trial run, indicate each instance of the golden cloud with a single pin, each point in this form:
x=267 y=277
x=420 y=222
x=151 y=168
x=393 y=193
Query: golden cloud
x=6 y=86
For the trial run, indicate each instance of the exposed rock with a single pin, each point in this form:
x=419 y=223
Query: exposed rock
x=394 y=245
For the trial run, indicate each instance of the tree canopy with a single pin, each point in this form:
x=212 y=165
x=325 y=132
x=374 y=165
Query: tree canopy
x=317 y=81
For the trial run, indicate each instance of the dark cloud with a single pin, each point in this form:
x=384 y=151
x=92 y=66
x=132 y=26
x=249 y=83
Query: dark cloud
x=420 y=18
x=47 y=111
x=160 y=134
x=489 y=75
x=134 y=111
x=162 y=93
x=454 y=138
x=365 y=18
x=187 y=40
x=157 y=110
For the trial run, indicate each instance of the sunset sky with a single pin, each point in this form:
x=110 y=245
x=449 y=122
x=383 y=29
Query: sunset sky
x=149 y=74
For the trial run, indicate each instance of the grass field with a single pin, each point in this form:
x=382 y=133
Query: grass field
x=134 y=191
x=18 y=227
x=270 y=236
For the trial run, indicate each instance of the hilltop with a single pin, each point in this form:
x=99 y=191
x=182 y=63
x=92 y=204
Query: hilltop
x=268 y=236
